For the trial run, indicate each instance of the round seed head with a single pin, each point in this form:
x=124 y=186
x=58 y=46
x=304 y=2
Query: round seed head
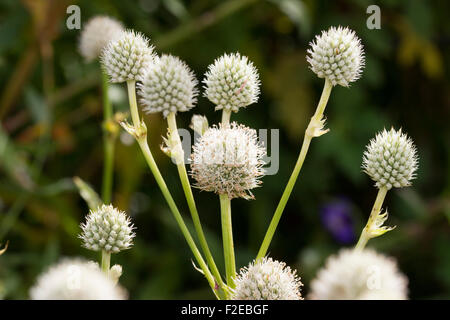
x=96 y=34
x=168 y=85
x=391 y=159
x=337 y=55
x=228 y=160
x=232 y=82
x=125 y=58
x=267 y=279
x=107 y=229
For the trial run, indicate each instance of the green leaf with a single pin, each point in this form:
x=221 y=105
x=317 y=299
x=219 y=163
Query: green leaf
x=88 y=193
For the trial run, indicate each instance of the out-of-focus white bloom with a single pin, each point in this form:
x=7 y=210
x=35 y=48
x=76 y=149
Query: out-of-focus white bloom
x=337 y=55
x=228 y=160
x=199 y=124
x=359 y=275
x=168 y=85
x=126 y=57
x=391 y=159
x=107 y=229
x=267 y=279
x=76 y=279
x=232 y=82
x=96 y=34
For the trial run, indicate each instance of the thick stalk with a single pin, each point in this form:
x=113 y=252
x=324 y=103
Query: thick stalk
x=226 y=115
x=376 y=210
x=106 y=262
x=227 y=235
x=172 y=123
x=314 y=125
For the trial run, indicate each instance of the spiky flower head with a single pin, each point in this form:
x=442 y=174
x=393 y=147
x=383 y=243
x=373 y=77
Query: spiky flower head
x=168 y=85
x=391 y=159
x=359 y=275
x=76 y=279
x=267 y=279
x=96 y=34
x=125 y=58
x=107 y=229
x=232 y=82
x=228 y=160
x=337 y=55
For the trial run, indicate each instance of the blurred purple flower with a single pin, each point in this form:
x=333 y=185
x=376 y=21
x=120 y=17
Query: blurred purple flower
x=337 y=219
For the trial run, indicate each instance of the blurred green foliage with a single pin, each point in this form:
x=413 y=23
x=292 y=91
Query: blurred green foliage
x=50 y=110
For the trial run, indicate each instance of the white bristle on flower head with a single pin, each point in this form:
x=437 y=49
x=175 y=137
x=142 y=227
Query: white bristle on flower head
x=168 y=85
x=337 y=55
x=359 y=275
x=228 y=160
x=125 y=58
x=76 y=279
x=391 y=159
x=96 y=34
x=232 y=82
x=107 y=229
x=267 y=279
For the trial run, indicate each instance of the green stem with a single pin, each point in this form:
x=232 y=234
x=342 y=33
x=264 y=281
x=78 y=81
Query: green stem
x=227 y=235
x=309 y=134
x=106 y=262
x=226 y=115
x=376 y=210
x=171 y=120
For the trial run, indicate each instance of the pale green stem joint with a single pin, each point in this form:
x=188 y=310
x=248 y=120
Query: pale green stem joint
x=106 y=262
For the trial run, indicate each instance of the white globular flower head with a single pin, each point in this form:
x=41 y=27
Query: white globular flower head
x=228 y=160
x=337 y=55
x=391 y=159
x=359 y=275
x=267 y=279
x=168 y=85
x=96 y=34
x=107 y=229
x=232 y=82
x=125 y=58
x=76 y=279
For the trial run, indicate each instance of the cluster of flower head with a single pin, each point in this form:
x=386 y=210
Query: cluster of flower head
x=337 y=55
x=76 y=279
x=107 y=229
x=267 y=279
x=391 y=159
x=228 y=160
x=359 y=275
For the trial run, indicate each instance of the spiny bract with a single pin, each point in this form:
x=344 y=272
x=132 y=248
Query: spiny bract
x=267 y=279
x=232 y=82
x=228 y=160
x=107 y=229
x=337 y=55
x=390 y=159
x=168 y=85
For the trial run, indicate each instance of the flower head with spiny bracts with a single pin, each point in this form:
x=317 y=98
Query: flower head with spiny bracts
x=391 y=159
x=267 y=279
x=76 y=279
x=96 y=34
x=337 y=55
x=359 y=275
x=125 y=58
x=228 y=160
x=232 y=82
x=107 y=229
x=168 y=85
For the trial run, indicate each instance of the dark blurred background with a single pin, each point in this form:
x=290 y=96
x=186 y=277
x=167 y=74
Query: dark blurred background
x=51 y=114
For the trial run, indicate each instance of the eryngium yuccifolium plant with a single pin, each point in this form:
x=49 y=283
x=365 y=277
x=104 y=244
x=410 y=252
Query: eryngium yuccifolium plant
x=232 y=82
x=391 y=159
x=267 y=279
x=76 y=279
x=107 y=229
x=96 y=34
x=125 y=58
x=359 y=275
x=228 y=160
x=337 y=55
x=168 y=85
